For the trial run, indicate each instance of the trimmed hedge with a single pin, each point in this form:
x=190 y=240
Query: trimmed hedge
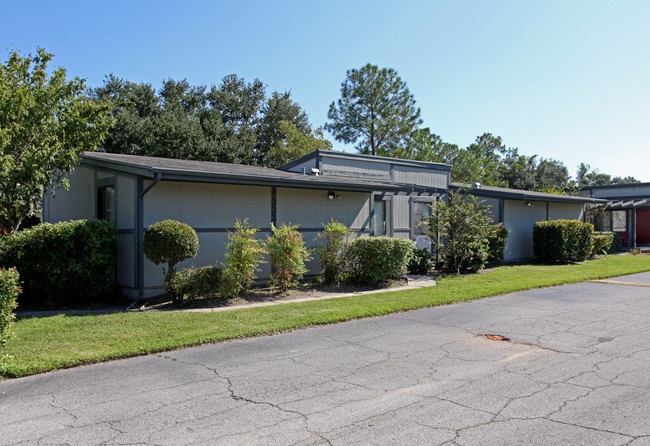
x=331 y=250
x=420 y=261
x=373 y=260
x=562 y=241
x=170 y=242
x=63 y=263
x=193 y=283
x=602 y=243
x=497 y=243
x=9 y=291
x=616 y=244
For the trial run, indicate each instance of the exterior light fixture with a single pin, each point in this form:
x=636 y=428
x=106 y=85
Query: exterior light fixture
x=332 y=195
x=530 y=205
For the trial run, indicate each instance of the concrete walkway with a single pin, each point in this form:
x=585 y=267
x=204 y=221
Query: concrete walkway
x=567 y=365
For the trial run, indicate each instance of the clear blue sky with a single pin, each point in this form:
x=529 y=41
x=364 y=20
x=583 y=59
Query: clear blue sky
x=564 y=79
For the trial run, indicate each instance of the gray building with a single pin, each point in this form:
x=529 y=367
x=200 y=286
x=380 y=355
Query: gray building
x=372 y=195
x=627 y=211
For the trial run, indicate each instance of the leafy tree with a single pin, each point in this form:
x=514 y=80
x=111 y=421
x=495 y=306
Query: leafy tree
x=463 y=225
x=294 y=144
x=46 y=121
x=586 y=176
x=376 y=111
x=282 y=117
x=233 y=122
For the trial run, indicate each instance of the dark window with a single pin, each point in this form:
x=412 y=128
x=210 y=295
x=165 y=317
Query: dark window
x=106 y=203
x=421 y=213
x=379 y=217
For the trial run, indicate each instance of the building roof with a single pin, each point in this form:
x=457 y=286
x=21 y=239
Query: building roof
x=373 y=158
x=207 y=171
x=518 y=194
x=616 y=186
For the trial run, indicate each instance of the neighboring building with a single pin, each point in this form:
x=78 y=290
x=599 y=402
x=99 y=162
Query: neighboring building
x=519 y=210
x=372 y=195
x=627 y=211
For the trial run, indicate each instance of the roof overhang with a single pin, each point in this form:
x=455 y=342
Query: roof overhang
x=257 y=176
x=518 y=194
x=626 y=204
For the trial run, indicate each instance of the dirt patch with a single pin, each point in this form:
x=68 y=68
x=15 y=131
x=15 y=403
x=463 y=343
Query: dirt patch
x=264 y=294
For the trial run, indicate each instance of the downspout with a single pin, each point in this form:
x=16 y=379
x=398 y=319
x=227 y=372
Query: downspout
x=140 y=229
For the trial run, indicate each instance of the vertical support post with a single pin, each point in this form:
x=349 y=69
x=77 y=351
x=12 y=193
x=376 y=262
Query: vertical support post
x=274 y=206
x=502 y=210
x=139 y=236
x=548 y=210
x=633 y=232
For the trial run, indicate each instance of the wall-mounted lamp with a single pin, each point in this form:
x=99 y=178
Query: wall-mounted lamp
x=530 y=205
x=332 y=195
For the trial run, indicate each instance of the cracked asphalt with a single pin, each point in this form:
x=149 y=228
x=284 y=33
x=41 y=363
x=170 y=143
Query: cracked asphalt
x=575 y=371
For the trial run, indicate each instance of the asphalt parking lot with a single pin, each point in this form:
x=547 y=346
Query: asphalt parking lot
x=567 y=365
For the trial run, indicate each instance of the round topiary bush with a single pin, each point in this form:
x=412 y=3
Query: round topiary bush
x=171 y=242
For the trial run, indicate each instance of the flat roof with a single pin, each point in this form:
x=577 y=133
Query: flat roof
x=208 y=171
x=615 y=186
x=372 y=158
x=503 y=192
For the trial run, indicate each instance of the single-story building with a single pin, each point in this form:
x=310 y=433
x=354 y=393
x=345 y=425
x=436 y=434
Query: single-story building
x=372 y=195
x=626 y=211
x=519 y=210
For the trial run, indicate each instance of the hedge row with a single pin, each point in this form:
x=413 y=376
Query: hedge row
x=62 y=264
x=562 y=241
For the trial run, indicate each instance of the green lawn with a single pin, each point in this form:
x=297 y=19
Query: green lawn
x=48 y=343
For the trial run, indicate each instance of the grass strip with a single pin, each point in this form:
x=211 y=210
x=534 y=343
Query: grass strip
x=47 y=343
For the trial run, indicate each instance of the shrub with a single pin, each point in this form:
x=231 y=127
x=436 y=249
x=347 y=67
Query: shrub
x=498 y=235
x=420 y=261
x=616 y=244
x=193 y=283
x=332 y=243
x=373 y=260
x=9 y=291
x=562 y=241
x=288 y=254
x=464 y=227
x=601 y=243
x=170 y=242
x=64 y=263
x=243 y=256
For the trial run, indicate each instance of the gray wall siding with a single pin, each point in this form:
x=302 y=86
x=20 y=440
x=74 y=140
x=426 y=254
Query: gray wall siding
x=519 y=219
x=355 y=168
x=401 y=213
x=632 y=191
x=565 y=211
x=76 y=203
x=307 y=165
x=207 y=205
x=125 y=202
x=421 y=176
x=311 y=208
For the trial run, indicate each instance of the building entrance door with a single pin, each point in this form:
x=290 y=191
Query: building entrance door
x=643 y=227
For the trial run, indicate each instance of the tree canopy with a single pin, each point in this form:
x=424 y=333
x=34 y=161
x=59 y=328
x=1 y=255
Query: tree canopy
x=234 y=122
x=376 y=111
x=46 y=121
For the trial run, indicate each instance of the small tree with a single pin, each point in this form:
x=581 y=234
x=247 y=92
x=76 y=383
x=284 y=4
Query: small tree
x=288 y=254
x=331 y=249
x=464 y=226
x=243 y=255
x=46 y=121
x=170 y=242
